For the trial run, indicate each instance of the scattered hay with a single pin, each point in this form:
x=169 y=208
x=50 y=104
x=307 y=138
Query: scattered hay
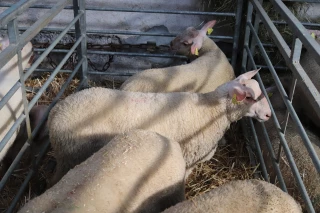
x=35 y=83
x=230 y=162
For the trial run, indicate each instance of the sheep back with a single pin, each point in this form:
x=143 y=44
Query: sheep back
x=138 y=171
x=250 y=196
x=202 y=75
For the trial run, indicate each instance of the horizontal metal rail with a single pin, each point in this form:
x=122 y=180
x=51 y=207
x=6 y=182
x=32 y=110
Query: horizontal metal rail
x=120 y=32
x=54 y=73
x=11 y=131
x=13 y=166
x=91 y=72
x=307 y=24
x=33 y=30
x=119 y=53
x=14 y=10
x=9 y=94
x=48 y=49
x=298 y=29
x=135 y=10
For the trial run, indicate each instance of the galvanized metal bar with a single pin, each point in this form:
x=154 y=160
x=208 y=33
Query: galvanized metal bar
x=113 y=73
x=135 y=54
x=4 y=100
x=52 y=45
x=309 y=1
x=275 y=164
x=247 y=37
x=142 y=10
x=285 y=124
x=120 y=32
x=14 y=10
x=236 y=34
x=80 y=86
x=46 y=145
x=14 y=39
x=266 y=136
x=80 y=30
x=302 y=132
x=256 y=27
x=13 y=166
x=296 y=51
x=91 y=72
x=28 y=178
x=275 y=67
x=54 y=101
x=12 y=130
x=298 y=29
x=54 y=73
x=258 y=150
x=31 y=32
x=306 y=24
x=19 y=193
x=119 y=53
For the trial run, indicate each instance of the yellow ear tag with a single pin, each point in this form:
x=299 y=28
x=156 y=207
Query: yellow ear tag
x=313 y=35
x=210 y=30
x=234 y=99
x=270 y=94
x=196 y=52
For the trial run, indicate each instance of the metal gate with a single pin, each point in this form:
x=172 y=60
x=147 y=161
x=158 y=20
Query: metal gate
x=78 y=27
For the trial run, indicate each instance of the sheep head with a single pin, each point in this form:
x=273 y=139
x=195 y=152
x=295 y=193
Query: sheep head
x=247 y=98
x=191 y=40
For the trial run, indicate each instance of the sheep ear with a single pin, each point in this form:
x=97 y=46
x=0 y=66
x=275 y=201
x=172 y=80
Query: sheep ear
x=247 y=75
x=207 y=26
x=195 y=48
x=237 y=94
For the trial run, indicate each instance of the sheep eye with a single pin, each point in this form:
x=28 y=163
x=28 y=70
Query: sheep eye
x=244 y=85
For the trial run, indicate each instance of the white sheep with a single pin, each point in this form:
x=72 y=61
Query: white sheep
x=85 y=121
x=138 y=171
x=311 y=178
x=9 y=75
x=202 y=75
x=246 y=196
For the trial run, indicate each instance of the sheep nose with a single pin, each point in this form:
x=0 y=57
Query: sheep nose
x=268 y=115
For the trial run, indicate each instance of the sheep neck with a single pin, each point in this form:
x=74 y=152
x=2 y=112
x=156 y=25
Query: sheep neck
x=222 y=98
x=208 y=46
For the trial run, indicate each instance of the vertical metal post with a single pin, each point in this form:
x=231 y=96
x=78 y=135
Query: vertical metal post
x=236 y=34
x=246 y=37
x=14 y=39
x=80 y=29
x=253 y=41
x=295 y=57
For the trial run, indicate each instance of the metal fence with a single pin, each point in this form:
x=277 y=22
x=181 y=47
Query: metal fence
x=78 y=27
x=9 y=18
x=291 y=57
